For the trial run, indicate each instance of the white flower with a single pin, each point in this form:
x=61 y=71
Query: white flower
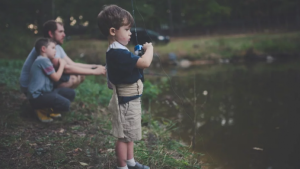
x=205 y=92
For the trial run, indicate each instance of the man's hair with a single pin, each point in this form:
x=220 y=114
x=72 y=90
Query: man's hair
x=113 y=16
x=50 y=25
x=42 y=42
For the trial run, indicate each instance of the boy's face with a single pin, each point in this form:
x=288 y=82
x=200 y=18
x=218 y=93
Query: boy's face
x=50 y=50
x=59 y=34
x=122 y=35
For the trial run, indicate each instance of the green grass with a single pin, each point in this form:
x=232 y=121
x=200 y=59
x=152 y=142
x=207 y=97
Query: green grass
x=214 y=47
x=82 y=136
x=229 y=46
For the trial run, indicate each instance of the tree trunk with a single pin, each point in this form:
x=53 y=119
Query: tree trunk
x=170 y=17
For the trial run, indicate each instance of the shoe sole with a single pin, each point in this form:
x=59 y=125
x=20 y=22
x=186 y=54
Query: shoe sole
x=58 y=116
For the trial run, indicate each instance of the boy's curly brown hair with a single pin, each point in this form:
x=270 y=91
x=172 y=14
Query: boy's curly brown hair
x=113 y=16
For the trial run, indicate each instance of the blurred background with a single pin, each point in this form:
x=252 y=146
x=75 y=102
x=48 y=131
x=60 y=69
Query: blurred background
x=23 y=20
x=227 y=70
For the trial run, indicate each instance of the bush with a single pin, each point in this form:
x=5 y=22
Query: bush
x=16 y=43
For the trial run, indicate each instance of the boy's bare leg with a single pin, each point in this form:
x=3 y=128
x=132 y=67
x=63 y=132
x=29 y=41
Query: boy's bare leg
x=121 y=152
x=130 y=150
x=73 y=82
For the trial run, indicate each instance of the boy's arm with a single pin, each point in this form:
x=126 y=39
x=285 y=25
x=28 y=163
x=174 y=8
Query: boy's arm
x=145 y=60
x=57 y=75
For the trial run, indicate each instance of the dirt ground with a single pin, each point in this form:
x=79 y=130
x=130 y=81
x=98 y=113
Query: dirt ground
x=81 y=139
x=71 y=142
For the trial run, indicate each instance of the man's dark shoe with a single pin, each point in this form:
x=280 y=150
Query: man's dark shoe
x=139 y=166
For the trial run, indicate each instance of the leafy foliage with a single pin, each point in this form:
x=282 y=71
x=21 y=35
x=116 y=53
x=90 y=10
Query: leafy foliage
x=10 y=73
x=94 y=91
x=151 y=91
x=190 y=16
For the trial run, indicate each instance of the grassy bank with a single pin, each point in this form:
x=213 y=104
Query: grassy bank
x=81 y=138
x=232 y=45
x=194 y=48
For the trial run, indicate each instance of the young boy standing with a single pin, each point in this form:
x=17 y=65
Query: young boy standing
x=124 y=71
x=40 y=92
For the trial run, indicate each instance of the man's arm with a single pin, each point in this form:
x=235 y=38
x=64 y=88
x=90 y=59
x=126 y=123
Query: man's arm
x=73 y=69
x=82 y=65
x=85 y=69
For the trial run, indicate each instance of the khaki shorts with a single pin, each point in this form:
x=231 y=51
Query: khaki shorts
x=131 y=120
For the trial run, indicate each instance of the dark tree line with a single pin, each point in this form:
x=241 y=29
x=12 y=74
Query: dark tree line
x=177 y=17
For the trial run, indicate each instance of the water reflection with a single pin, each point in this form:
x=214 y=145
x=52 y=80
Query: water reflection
x=248 y=118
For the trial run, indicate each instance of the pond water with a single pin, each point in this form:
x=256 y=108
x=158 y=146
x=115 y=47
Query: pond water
x=248 y=119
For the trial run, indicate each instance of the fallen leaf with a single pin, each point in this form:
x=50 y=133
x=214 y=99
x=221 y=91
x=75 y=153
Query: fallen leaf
x=72 y=162
x=257 y=148
x=75 y=127
x=81 y=134
x=84 y=164
x=77 y=149
x=28 y=155
x=62 y=130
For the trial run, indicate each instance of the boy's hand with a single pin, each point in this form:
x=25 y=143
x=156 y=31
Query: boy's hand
x=147 y=46
x=100 y=70
x=55 y=62
x=62 y=62
x=145 y=60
